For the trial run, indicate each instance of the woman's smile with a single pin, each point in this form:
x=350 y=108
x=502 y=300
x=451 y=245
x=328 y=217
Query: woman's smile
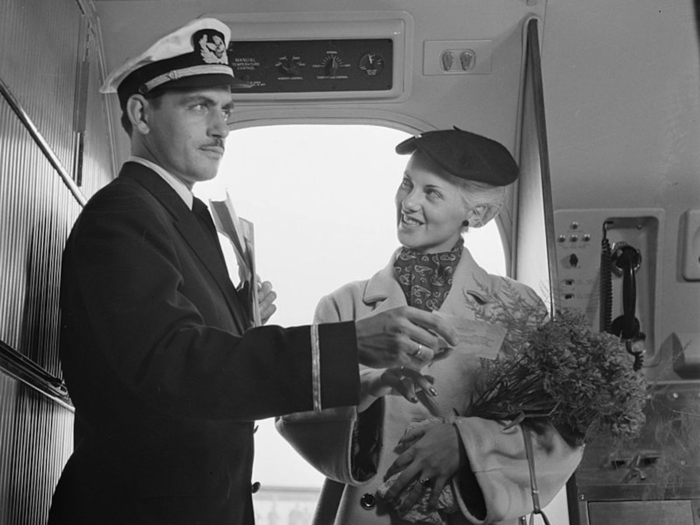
x=409 y=221
x=430 y=209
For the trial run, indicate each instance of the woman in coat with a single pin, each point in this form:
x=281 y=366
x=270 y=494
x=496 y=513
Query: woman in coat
x=405 y=454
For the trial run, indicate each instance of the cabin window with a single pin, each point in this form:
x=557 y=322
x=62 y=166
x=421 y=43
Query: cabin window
x=322 y=202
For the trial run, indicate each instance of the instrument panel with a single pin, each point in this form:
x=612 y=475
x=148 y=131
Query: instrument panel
x=313 y=66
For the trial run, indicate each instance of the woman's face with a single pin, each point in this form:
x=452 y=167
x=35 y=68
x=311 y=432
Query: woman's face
x=429 y=208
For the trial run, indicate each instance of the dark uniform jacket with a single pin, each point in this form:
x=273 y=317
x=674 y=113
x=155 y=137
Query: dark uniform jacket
x=165 y=378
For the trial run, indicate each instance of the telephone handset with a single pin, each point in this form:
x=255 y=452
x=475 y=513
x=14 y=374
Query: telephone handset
x=624 y=260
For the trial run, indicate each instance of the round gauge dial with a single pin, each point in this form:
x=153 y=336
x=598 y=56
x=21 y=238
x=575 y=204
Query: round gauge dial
x=372 y=64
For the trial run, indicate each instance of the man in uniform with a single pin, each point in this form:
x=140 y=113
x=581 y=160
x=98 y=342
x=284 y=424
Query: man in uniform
x=166 y=373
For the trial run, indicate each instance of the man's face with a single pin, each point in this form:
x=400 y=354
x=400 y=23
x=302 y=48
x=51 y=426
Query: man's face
x=187 y=130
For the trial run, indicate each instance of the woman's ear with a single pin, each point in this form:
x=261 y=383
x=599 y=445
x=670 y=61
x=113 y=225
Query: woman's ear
x=481 y=214
x=138 y=112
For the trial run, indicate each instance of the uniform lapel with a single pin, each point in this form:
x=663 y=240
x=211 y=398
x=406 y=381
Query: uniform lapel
x=196 y=237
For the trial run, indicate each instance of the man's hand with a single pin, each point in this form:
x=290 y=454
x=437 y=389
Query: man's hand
x=266 y=298
x=403 y=336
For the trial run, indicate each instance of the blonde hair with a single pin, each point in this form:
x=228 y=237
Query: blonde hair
x=476 y=194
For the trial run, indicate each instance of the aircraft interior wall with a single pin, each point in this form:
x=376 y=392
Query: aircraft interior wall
x=54 y=153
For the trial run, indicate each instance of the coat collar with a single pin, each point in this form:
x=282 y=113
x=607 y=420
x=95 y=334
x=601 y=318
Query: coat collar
x=469 y=278
x=159 y=188
x=190 y=229
x=180 y=188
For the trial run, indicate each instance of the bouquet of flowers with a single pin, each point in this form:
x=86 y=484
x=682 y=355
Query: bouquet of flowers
x=561 y=373
x=567 y=375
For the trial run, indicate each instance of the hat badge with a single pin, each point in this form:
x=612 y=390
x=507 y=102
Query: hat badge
x=214 y=51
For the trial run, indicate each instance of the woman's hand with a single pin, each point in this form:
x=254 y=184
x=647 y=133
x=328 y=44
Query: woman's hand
x=266 y=298
x=434 y=454
x=404 y=380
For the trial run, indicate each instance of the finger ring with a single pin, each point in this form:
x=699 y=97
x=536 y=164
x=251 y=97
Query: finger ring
x=418 y=351
x=424 y=481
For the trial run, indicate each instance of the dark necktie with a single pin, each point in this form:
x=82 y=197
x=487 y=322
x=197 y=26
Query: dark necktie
x=204 y=216
x=202 y=212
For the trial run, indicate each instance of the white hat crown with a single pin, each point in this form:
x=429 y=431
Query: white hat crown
x=197 y=49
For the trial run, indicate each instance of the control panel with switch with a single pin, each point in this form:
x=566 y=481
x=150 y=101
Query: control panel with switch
x=457 y=57
x=632 y=288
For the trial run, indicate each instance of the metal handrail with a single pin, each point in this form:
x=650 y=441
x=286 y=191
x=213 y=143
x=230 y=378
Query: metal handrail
x=33 y=375
x=41 y=142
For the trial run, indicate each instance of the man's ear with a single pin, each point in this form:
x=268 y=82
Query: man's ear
x=138 y=110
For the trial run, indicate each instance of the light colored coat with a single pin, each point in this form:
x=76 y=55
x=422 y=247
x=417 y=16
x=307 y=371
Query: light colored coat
x=496 y=456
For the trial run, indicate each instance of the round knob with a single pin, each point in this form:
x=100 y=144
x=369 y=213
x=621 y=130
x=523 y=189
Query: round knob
x=331 y=64
x=289 y=67
x=368 y=501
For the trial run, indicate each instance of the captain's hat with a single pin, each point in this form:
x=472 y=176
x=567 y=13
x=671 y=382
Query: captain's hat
x=192 y=56
x=465 y=155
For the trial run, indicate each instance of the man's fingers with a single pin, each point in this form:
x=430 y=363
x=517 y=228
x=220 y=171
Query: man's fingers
x=266 y=299
x=266 y=312
x=432 y=328
x=422 y=353
x=266 y=296
x=428 y=332
x=401 y=336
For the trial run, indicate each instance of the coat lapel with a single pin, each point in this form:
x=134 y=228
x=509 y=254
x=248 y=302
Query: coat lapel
x=470 y=279
x=190 y=228
x=383 y=289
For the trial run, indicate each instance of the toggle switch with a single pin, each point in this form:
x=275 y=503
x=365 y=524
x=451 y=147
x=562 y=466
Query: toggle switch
x=447 y=60
x=467 y=59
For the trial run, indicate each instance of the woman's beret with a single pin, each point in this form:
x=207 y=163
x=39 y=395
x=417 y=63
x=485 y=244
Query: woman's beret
x=465 y=155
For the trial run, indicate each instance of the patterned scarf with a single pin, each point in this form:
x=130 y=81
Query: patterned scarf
x=426 y=279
